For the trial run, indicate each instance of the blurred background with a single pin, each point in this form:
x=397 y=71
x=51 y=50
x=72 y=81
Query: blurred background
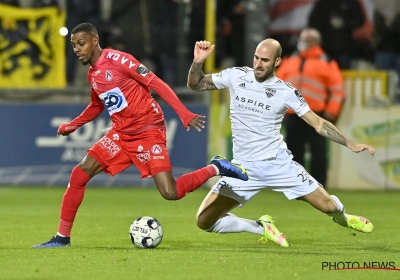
x=42 y=84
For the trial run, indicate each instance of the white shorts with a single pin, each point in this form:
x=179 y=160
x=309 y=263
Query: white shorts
x=280 y=174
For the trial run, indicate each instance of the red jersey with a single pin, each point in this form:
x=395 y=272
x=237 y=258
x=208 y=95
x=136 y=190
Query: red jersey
x=121 y=84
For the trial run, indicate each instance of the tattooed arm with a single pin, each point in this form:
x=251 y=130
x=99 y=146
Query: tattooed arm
x=197 y=81
x=328 y=130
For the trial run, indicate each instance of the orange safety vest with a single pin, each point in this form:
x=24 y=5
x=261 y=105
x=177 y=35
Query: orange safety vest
x=317 y=78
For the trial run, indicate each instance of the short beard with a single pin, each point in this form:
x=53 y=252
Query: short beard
x=267 y=75
x=85 y=62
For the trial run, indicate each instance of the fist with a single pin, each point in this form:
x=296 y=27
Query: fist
x=66 y=129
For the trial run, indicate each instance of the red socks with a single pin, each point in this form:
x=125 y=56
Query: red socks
x=192 y=181
x=73 y=197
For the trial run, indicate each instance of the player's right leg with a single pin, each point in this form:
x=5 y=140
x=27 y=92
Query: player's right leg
x=213 y=216
x=71 y=201
x=105 y=155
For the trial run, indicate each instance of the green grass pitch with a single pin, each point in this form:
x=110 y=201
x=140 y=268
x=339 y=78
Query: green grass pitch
x=101 y=248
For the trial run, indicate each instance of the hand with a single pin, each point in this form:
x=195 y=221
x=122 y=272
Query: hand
x=197 y=123
x=66 y=129
x=202 y=49
x=362 y=147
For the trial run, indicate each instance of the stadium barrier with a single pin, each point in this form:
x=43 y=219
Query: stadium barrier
x=369 y=116
x=32 y=154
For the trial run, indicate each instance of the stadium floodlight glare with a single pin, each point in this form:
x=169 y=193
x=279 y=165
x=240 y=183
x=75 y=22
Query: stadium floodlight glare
x=63 y=31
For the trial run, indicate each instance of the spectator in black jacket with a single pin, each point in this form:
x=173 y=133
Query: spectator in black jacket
x=336 y=20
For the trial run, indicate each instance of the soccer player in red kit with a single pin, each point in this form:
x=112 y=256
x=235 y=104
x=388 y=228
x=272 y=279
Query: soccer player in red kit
x=121 y=84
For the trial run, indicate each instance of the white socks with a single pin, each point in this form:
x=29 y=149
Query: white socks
x=231 y=223
x=339 y=215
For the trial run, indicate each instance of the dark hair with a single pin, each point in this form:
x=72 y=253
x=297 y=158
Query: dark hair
x=85 y=27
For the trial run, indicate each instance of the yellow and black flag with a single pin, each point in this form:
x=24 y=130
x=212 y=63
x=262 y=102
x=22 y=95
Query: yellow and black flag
x=32 y=51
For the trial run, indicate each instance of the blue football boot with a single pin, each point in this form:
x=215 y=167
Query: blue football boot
x=229 y=169
x=55 y=241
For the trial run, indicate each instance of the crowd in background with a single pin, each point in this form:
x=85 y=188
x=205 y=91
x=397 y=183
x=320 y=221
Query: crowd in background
x=356 y=33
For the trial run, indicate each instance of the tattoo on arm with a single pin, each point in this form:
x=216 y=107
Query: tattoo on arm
x=328 y=130
x=197 y=81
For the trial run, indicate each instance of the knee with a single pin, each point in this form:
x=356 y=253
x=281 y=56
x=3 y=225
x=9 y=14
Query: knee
x=169 y=193
x=203 y=223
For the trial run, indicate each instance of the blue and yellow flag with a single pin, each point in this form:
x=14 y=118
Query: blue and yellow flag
x=32 y=51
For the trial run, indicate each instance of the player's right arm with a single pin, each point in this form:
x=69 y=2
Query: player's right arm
x=91 y=112
x=197 y=80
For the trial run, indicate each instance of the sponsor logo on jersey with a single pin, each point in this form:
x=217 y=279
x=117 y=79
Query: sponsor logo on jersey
x=242 y=85
x=156 y=149
x=140 y=148
x=114 y=100
x=142 y=70
x=252 y=104
x=299 y=96
x=97 y=72
x=108 y=76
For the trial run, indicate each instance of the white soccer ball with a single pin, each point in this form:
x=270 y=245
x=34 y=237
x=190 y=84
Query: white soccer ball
x=146 y=232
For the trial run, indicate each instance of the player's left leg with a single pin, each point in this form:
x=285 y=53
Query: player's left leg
x=332 y=206
x=149 y=153
x=175 y=190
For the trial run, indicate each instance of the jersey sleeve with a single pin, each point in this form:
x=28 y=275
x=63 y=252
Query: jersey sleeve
x=296 y=101
x=166 y=93
x=134 y=69
x=91 y=112
x=223 y=78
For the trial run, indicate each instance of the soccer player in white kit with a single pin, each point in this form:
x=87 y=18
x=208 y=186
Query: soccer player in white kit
x=258 y=103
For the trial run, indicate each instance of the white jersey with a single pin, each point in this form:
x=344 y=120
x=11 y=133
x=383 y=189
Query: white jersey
x=256 y=112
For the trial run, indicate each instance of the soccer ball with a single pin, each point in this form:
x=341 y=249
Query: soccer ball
x=146 y=232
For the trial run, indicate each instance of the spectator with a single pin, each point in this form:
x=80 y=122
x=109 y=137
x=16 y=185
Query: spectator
x=336 y=20
x=287 y=19
x=78 y=12
x=387 y=35
x=319 y=80
x=231 y=26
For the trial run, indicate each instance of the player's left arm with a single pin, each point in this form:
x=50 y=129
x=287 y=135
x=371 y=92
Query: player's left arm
x=328 y=130
x=188 y=118
x=147 y=78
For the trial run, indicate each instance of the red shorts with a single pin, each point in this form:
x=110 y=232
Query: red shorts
x=148 y=151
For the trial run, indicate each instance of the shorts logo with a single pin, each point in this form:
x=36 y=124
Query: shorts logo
x=109 y=145
x=156 y=149
x=114 y=100
x=144 y=157
x=109 y=76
